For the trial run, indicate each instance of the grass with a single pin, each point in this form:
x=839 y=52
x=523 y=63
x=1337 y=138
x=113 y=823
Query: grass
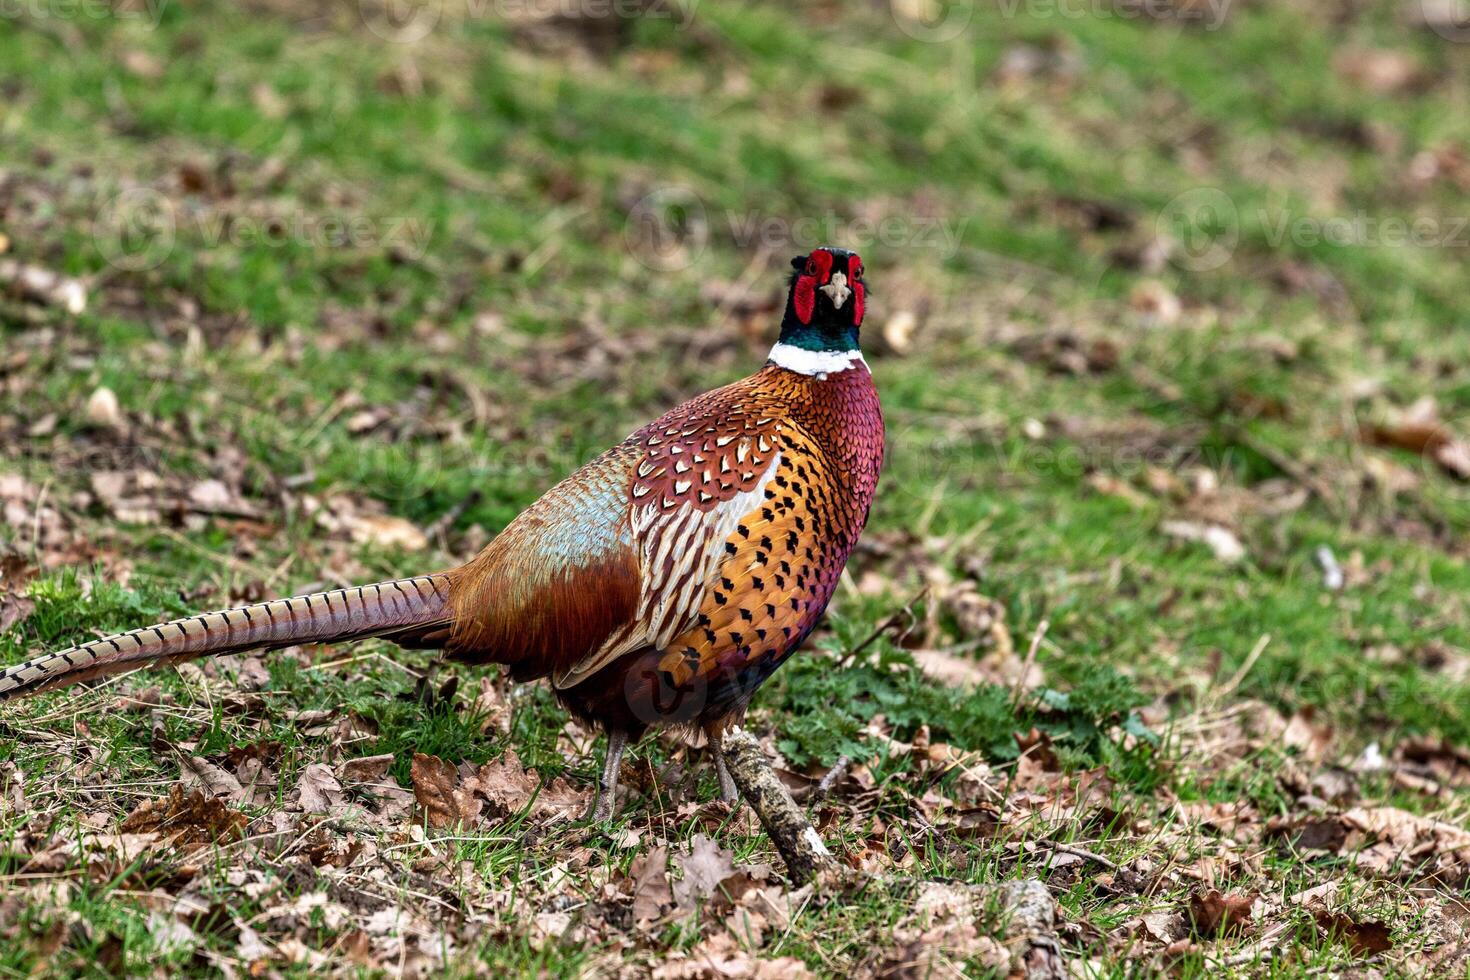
x=500 y=310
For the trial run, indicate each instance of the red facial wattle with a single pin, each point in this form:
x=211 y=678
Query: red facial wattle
x=805 y=298
x=818 y=270
x=857 y=304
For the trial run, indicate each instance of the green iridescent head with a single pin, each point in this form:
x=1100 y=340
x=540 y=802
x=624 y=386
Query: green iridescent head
x=824 y=309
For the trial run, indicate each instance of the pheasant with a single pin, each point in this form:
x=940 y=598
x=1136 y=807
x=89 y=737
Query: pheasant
x=658 y=585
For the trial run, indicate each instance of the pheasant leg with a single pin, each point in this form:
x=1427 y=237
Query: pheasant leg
x=728 y=792
x=607 y=782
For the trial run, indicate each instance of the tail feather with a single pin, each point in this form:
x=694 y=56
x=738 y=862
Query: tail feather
x=414 y=608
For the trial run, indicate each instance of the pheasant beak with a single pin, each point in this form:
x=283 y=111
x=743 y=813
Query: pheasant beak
x=837 y=290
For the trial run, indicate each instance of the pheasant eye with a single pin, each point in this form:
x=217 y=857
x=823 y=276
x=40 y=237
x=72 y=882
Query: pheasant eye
x=811 y=267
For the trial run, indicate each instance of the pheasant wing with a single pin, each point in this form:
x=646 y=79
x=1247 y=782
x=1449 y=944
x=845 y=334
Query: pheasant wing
x=700 y=470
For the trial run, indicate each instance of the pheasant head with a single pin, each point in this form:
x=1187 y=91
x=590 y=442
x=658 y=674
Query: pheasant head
x=824 y=311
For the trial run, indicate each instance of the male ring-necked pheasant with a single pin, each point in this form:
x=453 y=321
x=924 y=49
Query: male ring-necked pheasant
x=659 y=584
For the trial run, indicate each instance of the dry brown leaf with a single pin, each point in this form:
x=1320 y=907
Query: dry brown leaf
x=434 y=782
x=705 y=866
x=1162 y=927
x=1155 y=303
x=103 y=409
x=185 y=820
x=898 y=332
x=1380 y=70
x=508 y=787
x=651 y=892
x=948 y=669
x=1418 y=429
x=1220 y=540
x=142 y=64
x=449 y=796
x=200 y=773
x=387 y=531
x=1407 y=830
x=1305 y=732
x=1447 y=762
x=720 y=958
x=1212 y=912
x=1111 y=486
x=14 y=609
x=318 y=789
x=367 y=768
x=1363 y=937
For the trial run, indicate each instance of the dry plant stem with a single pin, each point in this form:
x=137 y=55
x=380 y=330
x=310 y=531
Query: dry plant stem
x=884 y=627
x=824 y=787
x=1028 y=908
x=1020 y=689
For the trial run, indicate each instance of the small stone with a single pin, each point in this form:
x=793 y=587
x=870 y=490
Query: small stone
x=898 y=332
x=103 y=409
x=1155 y=303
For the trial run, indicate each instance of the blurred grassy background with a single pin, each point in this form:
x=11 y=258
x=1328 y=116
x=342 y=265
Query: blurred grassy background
x=1141 y=284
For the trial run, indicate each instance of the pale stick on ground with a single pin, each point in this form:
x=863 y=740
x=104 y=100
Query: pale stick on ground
x=1028 y=910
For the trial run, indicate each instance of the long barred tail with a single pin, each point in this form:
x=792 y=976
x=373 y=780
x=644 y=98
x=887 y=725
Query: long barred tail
x=412 y=610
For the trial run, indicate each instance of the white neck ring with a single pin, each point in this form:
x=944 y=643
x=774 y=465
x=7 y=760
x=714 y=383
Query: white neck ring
x=815 y=363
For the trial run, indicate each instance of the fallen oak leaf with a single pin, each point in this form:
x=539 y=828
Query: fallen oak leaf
x=1405 y=830
x=651 y=892
x=434 y=782
x=508 y=788
x=185 y=821
x=450 y=796
x=14 y=609
x=367 y=768
x=705 y=866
